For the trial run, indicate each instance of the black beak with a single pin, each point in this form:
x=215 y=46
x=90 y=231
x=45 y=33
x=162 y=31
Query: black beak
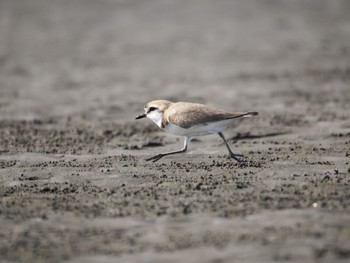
x=143 y=115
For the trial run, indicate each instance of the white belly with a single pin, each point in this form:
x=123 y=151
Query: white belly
x=199 y=130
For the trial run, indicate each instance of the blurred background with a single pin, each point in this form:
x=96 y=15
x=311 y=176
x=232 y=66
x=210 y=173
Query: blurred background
x=102 y=60
x=73 y=179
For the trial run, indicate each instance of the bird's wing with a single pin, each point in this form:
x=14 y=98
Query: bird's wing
x=188 y=115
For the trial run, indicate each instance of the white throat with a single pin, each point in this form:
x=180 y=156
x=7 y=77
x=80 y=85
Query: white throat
x=156 y=117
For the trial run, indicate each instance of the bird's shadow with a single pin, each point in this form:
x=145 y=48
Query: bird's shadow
x=249 y=136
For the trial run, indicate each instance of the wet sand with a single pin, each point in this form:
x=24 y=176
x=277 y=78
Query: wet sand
x=74 y=183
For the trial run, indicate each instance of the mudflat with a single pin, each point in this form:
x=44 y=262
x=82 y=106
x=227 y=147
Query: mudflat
x=74 y=183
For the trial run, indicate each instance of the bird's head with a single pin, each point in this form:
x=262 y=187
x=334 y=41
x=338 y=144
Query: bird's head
x=154 y=110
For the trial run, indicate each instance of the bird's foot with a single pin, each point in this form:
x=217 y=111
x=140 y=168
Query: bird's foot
x=155 y=157
x=238 y=158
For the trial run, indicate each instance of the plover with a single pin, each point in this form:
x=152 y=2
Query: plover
x=190 y=120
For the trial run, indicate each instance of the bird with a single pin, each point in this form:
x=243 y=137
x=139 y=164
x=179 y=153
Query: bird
x=190 y=120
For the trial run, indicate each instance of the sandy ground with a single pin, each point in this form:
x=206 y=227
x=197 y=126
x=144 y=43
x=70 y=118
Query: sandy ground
x=74 y=183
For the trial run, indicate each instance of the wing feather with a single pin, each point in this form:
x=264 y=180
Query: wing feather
x=188 y=115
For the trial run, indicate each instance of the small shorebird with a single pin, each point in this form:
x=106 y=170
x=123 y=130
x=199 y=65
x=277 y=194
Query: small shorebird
x=190 y=120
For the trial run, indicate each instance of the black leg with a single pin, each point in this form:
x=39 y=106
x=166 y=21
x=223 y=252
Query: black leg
x=232 y=155
x=158 y=156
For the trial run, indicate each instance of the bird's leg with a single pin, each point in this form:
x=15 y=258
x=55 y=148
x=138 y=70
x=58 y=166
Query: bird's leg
x=158 y=156
x=232 y=155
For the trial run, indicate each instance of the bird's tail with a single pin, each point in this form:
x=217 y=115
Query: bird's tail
x=250 y=114
x=234 y=115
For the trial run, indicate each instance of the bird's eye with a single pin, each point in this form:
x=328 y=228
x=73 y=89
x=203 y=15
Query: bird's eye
x=152 y=108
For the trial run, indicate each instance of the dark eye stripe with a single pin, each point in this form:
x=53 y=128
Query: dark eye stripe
x=152 y=108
